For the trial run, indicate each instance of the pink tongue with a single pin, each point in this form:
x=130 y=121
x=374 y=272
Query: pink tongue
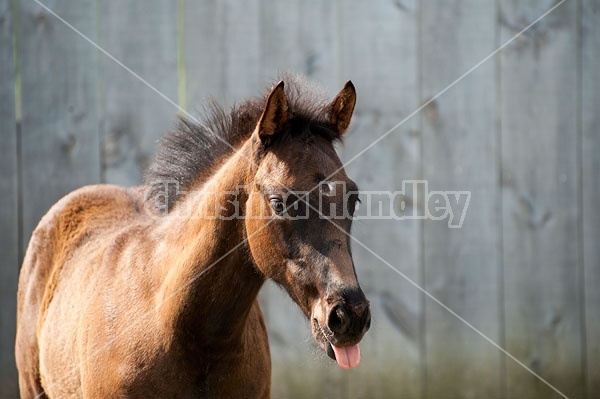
x=347 y=356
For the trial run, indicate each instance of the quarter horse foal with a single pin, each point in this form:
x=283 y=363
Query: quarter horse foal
x=152 y=291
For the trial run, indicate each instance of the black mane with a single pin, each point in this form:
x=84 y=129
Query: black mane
x=189 y=154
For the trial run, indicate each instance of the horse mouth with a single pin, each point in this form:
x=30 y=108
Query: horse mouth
x=329 y=351
x=347 y=357
x=322 y=339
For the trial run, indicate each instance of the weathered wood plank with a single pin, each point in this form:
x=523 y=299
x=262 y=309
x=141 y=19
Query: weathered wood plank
x=241 y=40
x=590 y=151
x=460 y=154
x=298 y=36
x=60 y=149
x=540 y=199
x=142 y=35
x=379 y=52
x=221 y=51
x=9 y=239
x=203 y=52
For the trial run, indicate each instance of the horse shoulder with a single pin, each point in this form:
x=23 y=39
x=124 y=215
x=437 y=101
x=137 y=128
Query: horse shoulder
x=257 y=363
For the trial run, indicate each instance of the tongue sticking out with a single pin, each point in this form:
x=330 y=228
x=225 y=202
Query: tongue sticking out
x=347 y=356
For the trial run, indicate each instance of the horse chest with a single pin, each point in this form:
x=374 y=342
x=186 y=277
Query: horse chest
x=174 y=377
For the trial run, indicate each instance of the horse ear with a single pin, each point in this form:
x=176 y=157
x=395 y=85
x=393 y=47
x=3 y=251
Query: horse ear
x=274 y=115
x=341 y=108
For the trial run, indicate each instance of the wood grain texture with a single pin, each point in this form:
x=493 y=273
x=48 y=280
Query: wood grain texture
x=204 y=61
x=590 y=151
x=60 y=150
x=540 y=199
x=378 y=51
x=460 y=154
x=143 y=36
x=9 y=237
x=221 y=51
x=300 y=36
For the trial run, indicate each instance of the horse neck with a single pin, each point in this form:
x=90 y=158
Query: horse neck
x=208 y=280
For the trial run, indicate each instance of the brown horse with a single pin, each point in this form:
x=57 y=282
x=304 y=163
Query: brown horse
x=152 y=291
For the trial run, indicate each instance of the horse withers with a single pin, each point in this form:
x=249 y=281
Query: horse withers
x=152 y=291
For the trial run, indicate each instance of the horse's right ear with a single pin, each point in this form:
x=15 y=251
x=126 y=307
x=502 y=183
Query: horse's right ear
x=274 y=115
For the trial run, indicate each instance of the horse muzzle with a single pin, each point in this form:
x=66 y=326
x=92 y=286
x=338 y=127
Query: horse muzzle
x=339 y=323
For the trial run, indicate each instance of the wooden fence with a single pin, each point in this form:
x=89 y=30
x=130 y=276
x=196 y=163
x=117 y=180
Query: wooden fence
x=520 y=131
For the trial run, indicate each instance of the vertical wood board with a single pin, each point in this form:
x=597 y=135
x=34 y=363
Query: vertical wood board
x=540 y=199
x=143 y=36
x=9 y=239
x=590 y=185
x=59 y=69
x=461 y=262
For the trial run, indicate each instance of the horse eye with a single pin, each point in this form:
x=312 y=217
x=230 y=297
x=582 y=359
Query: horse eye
x=277 y=205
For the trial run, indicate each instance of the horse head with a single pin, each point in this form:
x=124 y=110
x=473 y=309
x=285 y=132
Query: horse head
x=299 y=215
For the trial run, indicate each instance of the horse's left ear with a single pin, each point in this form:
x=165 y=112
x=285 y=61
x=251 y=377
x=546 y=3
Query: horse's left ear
x=274 y=115
x=341 y=108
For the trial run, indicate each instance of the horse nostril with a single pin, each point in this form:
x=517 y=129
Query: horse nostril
x=338 y=321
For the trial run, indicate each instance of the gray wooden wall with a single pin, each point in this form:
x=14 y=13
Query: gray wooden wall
x=521 y=132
